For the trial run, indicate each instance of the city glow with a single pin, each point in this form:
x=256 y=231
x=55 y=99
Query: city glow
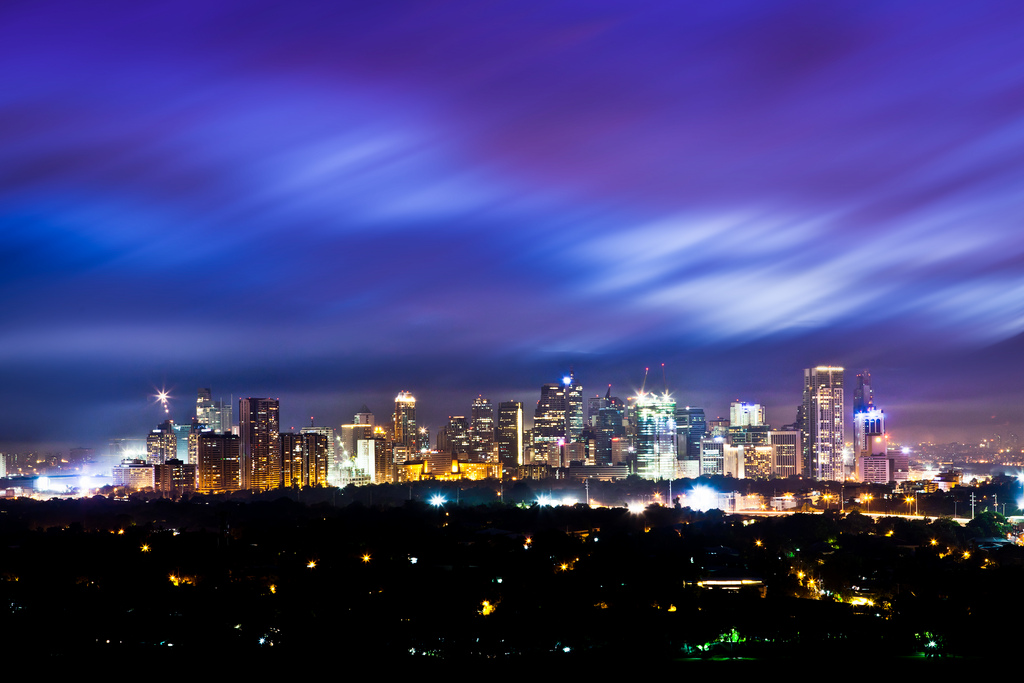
x=635 y=507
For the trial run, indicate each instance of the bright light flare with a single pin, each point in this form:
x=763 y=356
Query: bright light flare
x=702 y=498
x=635 y=507
x=311 y=564
x=437 y=500
x=366 y=558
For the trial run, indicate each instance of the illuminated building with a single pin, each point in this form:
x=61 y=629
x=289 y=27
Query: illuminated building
x=304 y=459
x=454 y=438
x=481 y=429
x=219 y=463
x=656 y=436
x=453 y=470
x=870 y=442
x=746 y=414
x=136 y=475
x=261 y=443
x=712 y=455
x=404 y=419
x=175 y=478
x=213 y=415
x=823 y=422
x=573 y=408
x=375 y=459
x=549 y=418
x=786 y=453
x=162 y=443
x=509 y=436
x=332 y=441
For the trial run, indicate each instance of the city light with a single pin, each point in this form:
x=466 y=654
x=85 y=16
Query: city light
x=437 y=500
x=702 y=498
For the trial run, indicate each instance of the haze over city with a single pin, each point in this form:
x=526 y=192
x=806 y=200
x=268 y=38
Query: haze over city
x=333 y=202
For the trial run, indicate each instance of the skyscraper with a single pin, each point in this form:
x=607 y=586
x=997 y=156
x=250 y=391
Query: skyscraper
x=405 y=422
x=549 y=418
x=218 y=466
x=656 y=436
x=259 y=427
x=481 y=429
x=162 y=443
x=573 y=407
x=823 y=422
x=691 y=427
x=869 y=439
x=509 y=436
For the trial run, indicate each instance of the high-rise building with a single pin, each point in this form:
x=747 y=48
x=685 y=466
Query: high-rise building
x=481 y=429
x=573 y=407
x=656 y=436
x=404 y=418
x=870 y=442
x=213 y=415
x=219 y=463
x=162 y=443
x=823 y=422
x=608 y=424
x=691 y=427
x=454 y=437
x=786 y=453
x=259 y=427
x=509 y=436
x=304 y=458
x=746 y=414
x=549 y=418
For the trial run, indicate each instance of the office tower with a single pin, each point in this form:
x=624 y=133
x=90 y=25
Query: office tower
x=823 y=419
x=712 y=455
x=870 y=443
x=863 y=394
x=746 y=414
x=259 y=427
x=691 y=427
x=162 y=443
x=454 y=437
x=304 y=459
x=573 y=408
x=331 y=438
x=212 y=415
x=594 y=406
x=656 y=436
x=219 y=462
x=509 y=435
x=481 y=429
x=608 y=425
x=374 y=458
x=549 y=418
x=204 y=408
x=363 y=417
x=405 y=422
x=174 y=478
x=786 y=453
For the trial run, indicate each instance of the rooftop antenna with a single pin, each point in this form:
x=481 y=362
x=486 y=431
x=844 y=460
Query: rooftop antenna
x=644 y=385
x=664 y=378
x=311 y=423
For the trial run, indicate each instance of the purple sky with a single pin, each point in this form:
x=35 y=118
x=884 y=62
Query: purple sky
x=334 y=201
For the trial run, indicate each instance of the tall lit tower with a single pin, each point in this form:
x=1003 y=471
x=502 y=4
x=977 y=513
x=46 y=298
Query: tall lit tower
x=259 y=427
x=573 y=407
x=823 y=422
x=656 y=436
x=509 y=435
x=869 y=437
x=481 y=428
x=405 y=421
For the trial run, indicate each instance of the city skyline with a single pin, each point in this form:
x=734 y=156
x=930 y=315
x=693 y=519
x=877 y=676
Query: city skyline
x=336 y=202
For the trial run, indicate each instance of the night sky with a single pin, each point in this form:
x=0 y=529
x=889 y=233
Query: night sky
x=330 y=202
